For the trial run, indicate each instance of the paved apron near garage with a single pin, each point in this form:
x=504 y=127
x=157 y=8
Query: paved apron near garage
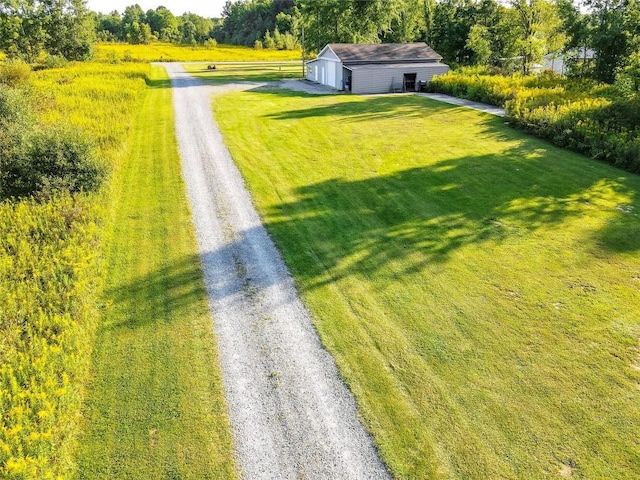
x=291 y=414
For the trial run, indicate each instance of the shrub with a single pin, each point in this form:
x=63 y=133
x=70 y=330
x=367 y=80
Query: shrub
x=269 y=42
x=211 y=43
x=55 y=61
x=54 y=159
x=289 y=42
x=37 y=161
x=628 y=80
x=14 y=109
x=15 y=121
x=257 y=45
x=14 y=73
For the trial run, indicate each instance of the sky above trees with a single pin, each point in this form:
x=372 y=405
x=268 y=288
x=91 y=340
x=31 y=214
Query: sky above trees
x=205 y=8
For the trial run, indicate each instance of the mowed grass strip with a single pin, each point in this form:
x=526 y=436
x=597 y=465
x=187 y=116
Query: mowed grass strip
x=478 y=288
x=245 y=71
x=156 y=407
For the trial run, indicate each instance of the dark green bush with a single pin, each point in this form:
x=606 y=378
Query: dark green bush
x=35 y=161
x=55 y=61
x=624 y=114
x=54 y=159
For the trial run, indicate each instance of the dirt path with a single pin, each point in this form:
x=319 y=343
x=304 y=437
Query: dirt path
x=292 y=415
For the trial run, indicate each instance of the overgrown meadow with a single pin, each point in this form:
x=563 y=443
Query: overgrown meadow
x=49 y=256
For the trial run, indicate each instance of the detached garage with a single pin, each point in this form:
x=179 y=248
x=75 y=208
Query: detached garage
x=375 y=68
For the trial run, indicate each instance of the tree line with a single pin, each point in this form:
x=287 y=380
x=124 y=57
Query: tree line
x=488 y=32
x=136 y=26
x=464 y=32
x=264 y=23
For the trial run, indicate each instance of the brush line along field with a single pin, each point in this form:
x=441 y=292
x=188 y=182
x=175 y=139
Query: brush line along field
x=51 y=276
x=118 y=268
x=478 y=288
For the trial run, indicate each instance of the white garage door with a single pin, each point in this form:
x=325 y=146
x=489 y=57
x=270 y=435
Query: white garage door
x=331 y=70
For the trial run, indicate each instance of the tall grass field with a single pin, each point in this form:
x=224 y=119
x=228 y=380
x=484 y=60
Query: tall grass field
x=479 y=288
x=167 y=52
x=50 y=278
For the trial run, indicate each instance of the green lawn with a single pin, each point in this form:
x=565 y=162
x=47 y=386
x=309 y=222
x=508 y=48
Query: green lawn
x=479 y=289
x=246 y=71
x=156 y=408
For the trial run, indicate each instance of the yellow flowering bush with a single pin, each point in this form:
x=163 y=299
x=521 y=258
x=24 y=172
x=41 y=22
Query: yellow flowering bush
x=48 y=264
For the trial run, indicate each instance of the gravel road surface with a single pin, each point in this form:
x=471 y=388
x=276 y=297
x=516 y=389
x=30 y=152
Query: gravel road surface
x=292 y=416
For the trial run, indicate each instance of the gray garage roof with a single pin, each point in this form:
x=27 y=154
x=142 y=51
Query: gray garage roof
x=389 y=66
x=350 y=53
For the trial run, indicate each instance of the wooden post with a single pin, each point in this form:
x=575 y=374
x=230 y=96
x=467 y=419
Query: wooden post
x=303 y=66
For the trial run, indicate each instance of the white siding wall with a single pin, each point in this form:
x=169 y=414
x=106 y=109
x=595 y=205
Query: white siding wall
x=316 y=70
x=325 y=71
x=380 y=80
x=338 y=76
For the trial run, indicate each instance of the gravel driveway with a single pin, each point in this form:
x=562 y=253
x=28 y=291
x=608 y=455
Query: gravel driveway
x=292 y=415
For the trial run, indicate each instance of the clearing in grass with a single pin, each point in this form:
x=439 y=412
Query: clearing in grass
x=156 y=407
x=245 y=71
x=478 y=288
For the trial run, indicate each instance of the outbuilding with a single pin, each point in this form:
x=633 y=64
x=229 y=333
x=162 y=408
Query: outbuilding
x=375 y=68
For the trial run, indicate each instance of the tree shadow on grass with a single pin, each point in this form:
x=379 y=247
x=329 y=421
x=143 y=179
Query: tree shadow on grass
x=232 y=273
x=411 y=218
x=360 y=109
x=155 y=83
x=422 y=215
x=157 y=296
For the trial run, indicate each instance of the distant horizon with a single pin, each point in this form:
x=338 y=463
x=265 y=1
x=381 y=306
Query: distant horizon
x=209 y=9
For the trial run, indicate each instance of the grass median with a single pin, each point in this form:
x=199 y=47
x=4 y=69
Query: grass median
x=477 y=287
x=156 y=407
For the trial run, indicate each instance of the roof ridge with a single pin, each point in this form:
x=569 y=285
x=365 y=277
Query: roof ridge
x=352 y=52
